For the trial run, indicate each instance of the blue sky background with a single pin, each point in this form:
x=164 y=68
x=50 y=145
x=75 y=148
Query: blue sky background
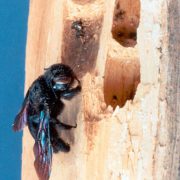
x=13 y=28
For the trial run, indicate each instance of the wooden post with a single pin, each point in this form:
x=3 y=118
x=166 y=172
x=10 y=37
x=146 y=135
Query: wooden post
x=128 y=113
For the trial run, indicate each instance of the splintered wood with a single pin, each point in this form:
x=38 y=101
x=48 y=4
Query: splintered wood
x=115 y=47
x=122 y=75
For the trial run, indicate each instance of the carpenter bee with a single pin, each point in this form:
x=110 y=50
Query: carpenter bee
x=41 y=106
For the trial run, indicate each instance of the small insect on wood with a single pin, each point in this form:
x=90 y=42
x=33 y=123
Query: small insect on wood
x=79 y=28
x=40 y=109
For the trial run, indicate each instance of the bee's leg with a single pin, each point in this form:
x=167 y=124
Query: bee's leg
x=68 y=95
x=57 y=143
x=65 y=126
x=60 y=145
x=33 y=125
x=62 y=125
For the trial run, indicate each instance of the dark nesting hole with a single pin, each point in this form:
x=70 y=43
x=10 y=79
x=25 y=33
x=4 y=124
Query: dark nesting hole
x=133 y=35
x=115 y=97
x=120 y=34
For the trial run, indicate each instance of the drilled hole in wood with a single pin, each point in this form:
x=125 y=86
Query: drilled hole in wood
x=125 y=22
x=115 y=97
x=121 y=79
x=81 y=44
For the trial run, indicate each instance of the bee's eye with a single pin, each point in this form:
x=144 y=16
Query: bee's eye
x=61 y=82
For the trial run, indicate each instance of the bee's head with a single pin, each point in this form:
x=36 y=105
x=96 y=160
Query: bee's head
x=60 y=77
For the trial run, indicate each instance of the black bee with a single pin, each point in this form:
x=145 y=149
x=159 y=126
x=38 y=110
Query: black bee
x=40 y=109
x=78 y=26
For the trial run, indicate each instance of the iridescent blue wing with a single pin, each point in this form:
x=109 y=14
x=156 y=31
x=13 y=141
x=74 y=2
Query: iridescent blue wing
x=43 y=149
x=21 y=119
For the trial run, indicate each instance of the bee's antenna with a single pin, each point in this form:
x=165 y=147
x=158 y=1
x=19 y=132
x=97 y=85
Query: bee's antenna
x=45 y=69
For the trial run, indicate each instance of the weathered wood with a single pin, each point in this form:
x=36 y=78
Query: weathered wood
x=140 y=140
x=173 y=90
x=167 y=156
